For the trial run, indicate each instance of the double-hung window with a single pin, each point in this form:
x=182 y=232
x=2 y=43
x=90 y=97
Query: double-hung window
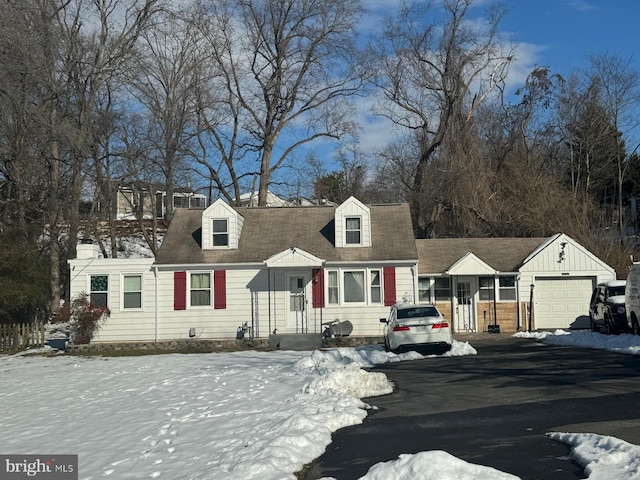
x=375 y=287
x=132 y=291
x=424 y=290
x=442 y=289
x=353 y=231
x=507 y=287
x=221 y=233
x=99 y=288
x=200 y=289
x=487 y=285
x=333 y=287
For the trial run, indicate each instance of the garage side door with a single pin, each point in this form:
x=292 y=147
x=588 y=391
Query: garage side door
x=559 y=302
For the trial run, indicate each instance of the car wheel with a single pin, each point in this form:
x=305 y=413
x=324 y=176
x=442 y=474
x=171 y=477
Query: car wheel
x=608 y=330
x=594 y=327
x=635 y=327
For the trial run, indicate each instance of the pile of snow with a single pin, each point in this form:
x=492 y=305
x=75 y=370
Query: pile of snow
x=623 y=343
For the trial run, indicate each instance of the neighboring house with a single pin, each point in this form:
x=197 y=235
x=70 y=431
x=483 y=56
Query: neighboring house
x=130 y=199
x=479 y=282
x=289 y=269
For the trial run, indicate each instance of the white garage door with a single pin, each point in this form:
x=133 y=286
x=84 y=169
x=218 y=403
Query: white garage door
x=559 y=302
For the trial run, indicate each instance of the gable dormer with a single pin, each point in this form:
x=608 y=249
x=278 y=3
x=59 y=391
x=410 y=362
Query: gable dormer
x=353 y=224
x=221 y=227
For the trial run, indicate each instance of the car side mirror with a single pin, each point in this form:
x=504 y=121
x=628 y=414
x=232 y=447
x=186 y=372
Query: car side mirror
x=383 y=320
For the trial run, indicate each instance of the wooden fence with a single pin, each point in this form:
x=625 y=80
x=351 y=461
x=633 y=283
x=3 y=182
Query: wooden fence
x=20 y=336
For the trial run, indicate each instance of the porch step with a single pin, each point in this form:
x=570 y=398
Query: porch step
x=295 y=341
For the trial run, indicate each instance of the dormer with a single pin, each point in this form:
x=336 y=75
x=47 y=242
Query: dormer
x=353 y=224
x=221 y=227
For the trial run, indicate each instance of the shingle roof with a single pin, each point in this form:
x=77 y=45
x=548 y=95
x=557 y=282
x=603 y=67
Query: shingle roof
x=503 y=254
x=270 y=230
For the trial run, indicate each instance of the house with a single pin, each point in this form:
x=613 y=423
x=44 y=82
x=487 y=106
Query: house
x=293 y=269
x=481 y=282
x=284 y=269
x=149 y=199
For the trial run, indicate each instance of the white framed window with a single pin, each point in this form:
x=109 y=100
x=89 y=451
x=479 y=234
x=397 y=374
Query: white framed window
x=99 y=291
x=220 y=232
x=333 y=287
x=200 y=289
x=424 y=290
x=131 y=291
x=353 y=231
x=486 y=288
x=442 y=289
x=507 y=287
x=353 y=282
x=375 y=286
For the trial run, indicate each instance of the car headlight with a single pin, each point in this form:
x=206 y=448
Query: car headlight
x=620 y=309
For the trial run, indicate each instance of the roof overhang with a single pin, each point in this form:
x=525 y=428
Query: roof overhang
x=293 y=257
x=470 y=264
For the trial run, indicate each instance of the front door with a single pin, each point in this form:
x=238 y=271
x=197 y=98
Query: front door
x=465 y=311
x=297 y=303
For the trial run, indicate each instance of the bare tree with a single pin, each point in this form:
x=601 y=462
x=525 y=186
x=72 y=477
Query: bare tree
x=433 y=75
x=620 y=97
x=289 y=65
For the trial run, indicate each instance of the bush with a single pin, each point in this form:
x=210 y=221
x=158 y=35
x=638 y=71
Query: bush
x=85 y=320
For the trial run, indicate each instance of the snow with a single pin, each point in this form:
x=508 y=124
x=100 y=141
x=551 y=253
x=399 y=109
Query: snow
x=240 y=415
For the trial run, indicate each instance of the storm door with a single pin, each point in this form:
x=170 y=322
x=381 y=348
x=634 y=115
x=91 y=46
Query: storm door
x=465 y=314
x=296 y=303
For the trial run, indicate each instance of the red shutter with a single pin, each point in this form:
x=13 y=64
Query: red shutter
x=389 y=286
x=317 y=288
x=220 y=289
x=179 y=290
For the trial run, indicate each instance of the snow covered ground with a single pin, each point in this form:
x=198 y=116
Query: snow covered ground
x=242 y=415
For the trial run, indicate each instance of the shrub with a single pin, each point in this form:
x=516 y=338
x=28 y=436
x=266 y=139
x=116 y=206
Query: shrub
x=85 y=320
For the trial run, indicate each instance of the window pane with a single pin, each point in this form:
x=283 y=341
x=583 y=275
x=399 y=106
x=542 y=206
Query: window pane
x=354 y=286
x=353 y=224
x=507 y=281
x=353 y=237
x=98 y=300
x=132 y=283
x=219 y=226
x=220 y=240
x=332 y=284
x=200 y=297
x=99 y=283
x=375 y=278
x=200 y=280
x=332 y=278
x=132 y=300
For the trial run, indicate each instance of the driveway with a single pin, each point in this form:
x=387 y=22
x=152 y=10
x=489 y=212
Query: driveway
x=493 y=409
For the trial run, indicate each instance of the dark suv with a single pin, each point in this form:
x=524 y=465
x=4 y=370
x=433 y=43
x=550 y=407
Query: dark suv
x=606 y=309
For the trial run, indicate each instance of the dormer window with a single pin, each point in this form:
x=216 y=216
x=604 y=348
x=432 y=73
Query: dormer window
x=221 y=233
x=353 y=231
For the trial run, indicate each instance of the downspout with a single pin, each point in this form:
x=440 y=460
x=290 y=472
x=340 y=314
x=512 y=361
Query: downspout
x=518 y=305
x=269 y=297
x=155 y=314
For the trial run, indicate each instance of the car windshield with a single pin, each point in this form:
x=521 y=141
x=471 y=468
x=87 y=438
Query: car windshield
x=613 y=291
x=417 y=312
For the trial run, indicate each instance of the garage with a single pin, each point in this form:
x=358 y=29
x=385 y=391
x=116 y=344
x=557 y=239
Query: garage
x=560 y=302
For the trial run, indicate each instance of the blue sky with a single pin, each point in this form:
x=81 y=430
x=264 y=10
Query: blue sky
x=561 y=34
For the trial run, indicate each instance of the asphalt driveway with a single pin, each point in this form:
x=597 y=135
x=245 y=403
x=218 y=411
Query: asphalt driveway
x=494 y=409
